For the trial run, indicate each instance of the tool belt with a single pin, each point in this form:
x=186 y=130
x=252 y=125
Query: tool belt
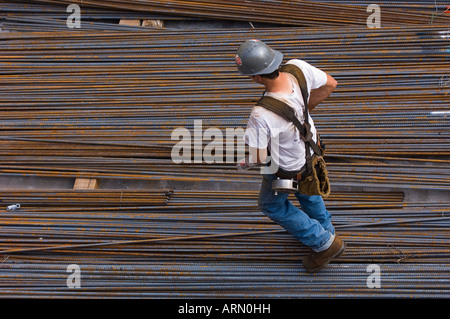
x=314 y=182
x=313 y=176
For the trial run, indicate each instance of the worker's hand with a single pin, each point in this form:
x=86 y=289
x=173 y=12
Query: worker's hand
x=245 y=164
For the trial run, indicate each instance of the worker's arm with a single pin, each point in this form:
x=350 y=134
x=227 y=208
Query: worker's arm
x=321 y=94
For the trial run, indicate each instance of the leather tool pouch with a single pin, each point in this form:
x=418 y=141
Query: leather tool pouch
x=315 y=182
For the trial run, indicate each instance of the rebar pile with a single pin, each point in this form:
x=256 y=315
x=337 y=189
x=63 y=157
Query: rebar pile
x=105 y=104
x=26 y=16
x=298 y=12
x=214 y=244
x=224 y=280
x=18 y=15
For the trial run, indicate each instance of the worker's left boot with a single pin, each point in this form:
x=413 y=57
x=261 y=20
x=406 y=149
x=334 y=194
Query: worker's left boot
x=315 y=261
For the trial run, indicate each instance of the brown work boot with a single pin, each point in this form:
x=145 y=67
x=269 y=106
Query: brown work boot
x=315 y=261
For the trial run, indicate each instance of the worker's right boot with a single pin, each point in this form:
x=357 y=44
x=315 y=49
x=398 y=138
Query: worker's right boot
x=315 y=261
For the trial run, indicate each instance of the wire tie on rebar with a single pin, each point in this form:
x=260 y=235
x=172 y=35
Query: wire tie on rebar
x=395 y=250
x=437 y=14
x=399 y=252
x=4 y=259
x=406 y=257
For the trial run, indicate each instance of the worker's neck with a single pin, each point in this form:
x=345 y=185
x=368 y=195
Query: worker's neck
x=281 y=84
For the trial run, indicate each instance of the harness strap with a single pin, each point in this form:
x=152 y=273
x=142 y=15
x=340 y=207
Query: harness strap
x=287 y=112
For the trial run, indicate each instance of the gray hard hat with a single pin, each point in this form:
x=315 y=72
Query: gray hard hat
x=255 y=58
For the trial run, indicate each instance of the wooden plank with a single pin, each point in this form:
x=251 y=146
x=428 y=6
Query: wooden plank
x=153 y=23
x=85 y=183
x=130 y=22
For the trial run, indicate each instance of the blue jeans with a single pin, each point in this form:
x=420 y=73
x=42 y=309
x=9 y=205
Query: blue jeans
x=311 y=224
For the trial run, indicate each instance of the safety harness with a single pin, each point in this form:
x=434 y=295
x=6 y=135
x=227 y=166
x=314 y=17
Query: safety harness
x=287 y=112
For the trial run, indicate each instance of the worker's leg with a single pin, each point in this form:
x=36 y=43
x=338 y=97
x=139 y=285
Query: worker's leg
x=278 y=208
x=315 y=208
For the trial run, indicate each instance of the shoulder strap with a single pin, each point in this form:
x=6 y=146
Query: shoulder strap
x=298 y=74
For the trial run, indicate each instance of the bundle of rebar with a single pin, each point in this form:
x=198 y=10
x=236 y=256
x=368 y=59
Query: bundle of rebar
x=107 y=104
x=29 y=16
x=298 y=12
x=18 y=15
x=214 y=244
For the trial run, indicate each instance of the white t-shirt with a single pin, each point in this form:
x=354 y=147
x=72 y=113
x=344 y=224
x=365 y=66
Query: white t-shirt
x=266 y=129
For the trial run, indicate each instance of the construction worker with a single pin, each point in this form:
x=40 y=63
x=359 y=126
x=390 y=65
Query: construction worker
x=274 y=135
